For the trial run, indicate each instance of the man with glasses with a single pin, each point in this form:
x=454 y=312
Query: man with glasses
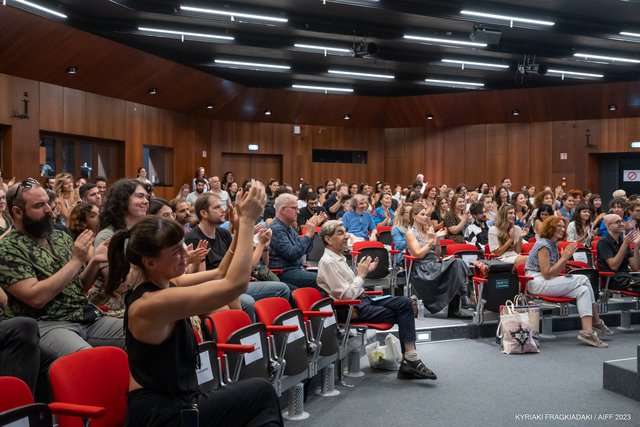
x=615 y=253
x=46 y=275
x=287 y=250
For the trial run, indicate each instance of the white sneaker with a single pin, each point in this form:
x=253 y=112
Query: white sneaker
x=602 y=329
x=591 y=338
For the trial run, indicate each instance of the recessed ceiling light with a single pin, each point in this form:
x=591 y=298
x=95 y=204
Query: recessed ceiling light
x=324 y=89
x=72 y=70
x=606 y=58
x=326 y=49
x=515 y=112
x=358 y=74
x=267 y=112
x=441 y=41
x=612 y=107
x=252 y=65
x=574 y=73
x=232 y=14
x=38 y=7
x=153 y=91
x=429 y=116
x=182 y=34
x=453 y=83
x=346 y=117
x=508 y=18
x=209 y=106
x=474 y=63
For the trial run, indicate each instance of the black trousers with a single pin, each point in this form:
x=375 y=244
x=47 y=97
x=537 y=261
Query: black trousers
x=252 y=402
x=21 y=356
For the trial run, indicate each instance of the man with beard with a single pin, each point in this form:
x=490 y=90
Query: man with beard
x=477 y=233
x=193 y=196
x=183 y=216
x=90 y=193
x=46 y=275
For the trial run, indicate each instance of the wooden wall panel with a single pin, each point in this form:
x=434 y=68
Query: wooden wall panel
x=496 y=157
x=75 y=107
x=475 y=147
x=434 y=158
x=6 y=83
x=51 y=115
x=414 y=159
x=517 y=151
x=453 y=160
x=540 y=135
x=563 y=142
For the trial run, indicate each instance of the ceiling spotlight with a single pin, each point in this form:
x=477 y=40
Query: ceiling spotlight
x=72 y=70
x=612 y=107
x=429 y=116
x=209 y=106
x=153 y=91
x=515 y=112
x=267 y=112
x=347 y=117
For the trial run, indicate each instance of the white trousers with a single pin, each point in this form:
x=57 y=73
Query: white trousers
x=570 y=286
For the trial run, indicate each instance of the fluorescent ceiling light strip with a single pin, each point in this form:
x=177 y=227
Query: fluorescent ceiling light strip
x=453 y=82
x=507 y=17
x=625 y=33
x=322 y=88
x=234 y=14
x=606 y=58
x=252 y=64
x=40 y=8
x=324 y=48
x=354 y=73
x=444 y=41
x=575 y=73
x=480 y=64
x=184 y=33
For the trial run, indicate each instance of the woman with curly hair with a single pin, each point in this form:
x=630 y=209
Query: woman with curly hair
x=84 y=216
x=67 y=198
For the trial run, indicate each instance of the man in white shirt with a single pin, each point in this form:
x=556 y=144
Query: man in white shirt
x=216 y=188
x=339 y=281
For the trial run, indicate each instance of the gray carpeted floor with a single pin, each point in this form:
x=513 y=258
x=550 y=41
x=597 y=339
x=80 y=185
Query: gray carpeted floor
x=479 y=386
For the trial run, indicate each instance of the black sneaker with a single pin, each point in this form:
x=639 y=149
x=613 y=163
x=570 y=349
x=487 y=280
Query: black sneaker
x=415 y=370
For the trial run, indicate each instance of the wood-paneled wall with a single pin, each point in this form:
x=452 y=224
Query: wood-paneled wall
x=526 y=152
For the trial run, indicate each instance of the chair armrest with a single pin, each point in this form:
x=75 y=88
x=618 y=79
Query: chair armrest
x=394 y=251
x=235 y=348
x=480 y=279
x=318 y=313
x=282 y=328
x=342 y=302
x=374 y=293
x=277 y=271
x=355 y=253
x=410 y=258
x=606 y=273
x=88 y=411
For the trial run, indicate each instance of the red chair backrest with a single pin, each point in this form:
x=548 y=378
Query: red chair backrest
x=562 y=245
x=526 y=248
x=96 y=376
x=382 y=228
x=367 y=244
x=14 y=393
x=457 y=247
x=227 y=322
x=532 y=240
x=306 y=297
x=268 y=309
x=447 y=242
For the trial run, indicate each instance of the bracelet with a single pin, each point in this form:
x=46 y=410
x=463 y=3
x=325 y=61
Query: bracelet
x=231 y=250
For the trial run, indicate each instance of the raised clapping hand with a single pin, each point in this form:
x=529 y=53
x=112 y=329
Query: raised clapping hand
x=366 y=265
x=100 y=253
x=197 y=255
x=264 y=236
x=251 y=206
x=632 y=237
x=569 y=250
x=83 y=246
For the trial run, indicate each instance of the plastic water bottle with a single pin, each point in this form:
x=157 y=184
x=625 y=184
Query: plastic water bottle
x=420 y=309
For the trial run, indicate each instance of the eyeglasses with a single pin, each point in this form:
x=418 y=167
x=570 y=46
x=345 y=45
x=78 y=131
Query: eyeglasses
x=295 y=208
x=24 y=185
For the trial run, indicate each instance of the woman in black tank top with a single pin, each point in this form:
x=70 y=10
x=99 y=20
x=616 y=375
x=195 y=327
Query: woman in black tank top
x=160 y=342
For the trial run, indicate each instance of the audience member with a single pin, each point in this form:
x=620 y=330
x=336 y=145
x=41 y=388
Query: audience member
x=545 y=266
x=67 y=198
x=216 y=188
x=505 y=237
x=191 y=198
x=200 y=173
x=142 y=175
x=617 y=206
x=580 y=228
x=85 y=216
x=339 y=281
x=6 y=222
x=90 y=193
x=358 y=222
x=384 y=214
x=457 y=219
x=616 y=255
x=399 y=231
x=101 y=183
x=477 y=233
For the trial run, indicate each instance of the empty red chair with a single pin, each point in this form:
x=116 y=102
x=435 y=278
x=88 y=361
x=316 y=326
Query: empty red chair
x=97 y=377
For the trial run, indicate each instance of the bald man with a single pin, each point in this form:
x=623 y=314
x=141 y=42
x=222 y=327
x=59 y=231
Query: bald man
x=615 y=253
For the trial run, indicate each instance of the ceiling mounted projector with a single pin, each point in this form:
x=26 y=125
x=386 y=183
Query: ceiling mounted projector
x=482 y=34
x=365 y=50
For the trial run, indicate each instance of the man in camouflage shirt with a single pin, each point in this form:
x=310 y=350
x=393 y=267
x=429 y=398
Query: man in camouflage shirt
x=46 y=276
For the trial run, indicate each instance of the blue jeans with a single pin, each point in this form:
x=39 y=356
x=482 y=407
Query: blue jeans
x=259 y=290
x=300 y=278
